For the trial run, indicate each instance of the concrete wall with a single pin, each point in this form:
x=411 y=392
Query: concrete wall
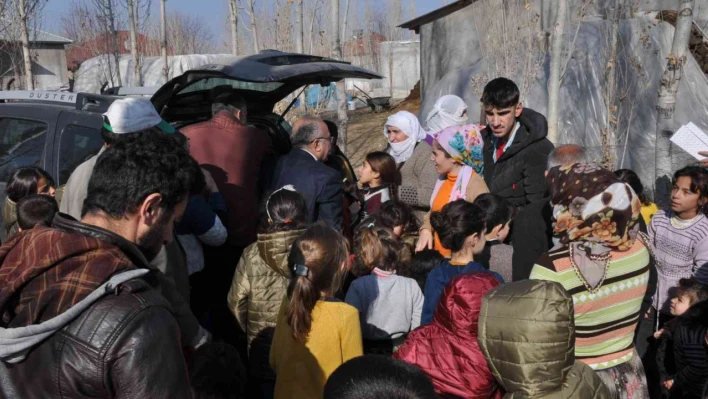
x=50 y=71
x=400 y=66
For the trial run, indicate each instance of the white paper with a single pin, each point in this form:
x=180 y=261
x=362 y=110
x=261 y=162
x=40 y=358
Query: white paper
x=691 y=139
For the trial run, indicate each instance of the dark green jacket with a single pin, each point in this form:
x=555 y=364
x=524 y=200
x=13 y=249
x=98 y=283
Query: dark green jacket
x=527 y=334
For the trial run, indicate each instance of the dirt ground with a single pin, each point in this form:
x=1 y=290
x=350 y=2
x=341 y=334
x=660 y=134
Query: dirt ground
x=365 y=130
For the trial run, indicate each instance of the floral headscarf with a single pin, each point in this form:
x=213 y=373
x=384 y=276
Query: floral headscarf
x=593 y=213
x=464 y=144
x=590 y=204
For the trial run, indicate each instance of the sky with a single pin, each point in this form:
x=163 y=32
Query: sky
x=212 y=10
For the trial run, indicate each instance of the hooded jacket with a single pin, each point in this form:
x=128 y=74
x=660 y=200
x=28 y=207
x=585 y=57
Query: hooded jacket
x=259 y=286
x=59 y=338
x=447 y=349
x=527 y=335
x=518 y=175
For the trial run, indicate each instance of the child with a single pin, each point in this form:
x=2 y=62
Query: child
x=217 y=372
x=500 y=213
x=261 y=279
x=35 y=209
x=687 y=332
x=23 y=182
x=389 y=304
x=447 y=350
x=315 y=333
x=423 y=263
x=375 y=376
x=460 y=226
x=649 y=209
x=680 y=236
x=377 y=178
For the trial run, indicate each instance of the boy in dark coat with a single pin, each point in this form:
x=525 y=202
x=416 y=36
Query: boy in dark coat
x=515 y=145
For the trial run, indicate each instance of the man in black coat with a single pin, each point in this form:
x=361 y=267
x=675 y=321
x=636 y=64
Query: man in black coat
x=515 y=145
x=304 y=168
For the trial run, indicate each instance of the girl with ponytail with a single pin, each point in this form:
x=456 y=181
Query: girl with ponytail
x=461 y=227
x=315 y=332
x=377 y=181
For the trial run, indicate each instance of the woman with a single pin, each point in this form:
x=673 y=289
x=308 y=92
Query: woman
x=417 y=175
x=448 y=111
x=603 y=265
x=457 y=158
x=23 y=182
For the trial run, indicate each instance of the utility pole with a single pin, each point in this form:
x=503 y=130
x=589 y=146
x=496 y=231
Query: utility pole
x=111 y=30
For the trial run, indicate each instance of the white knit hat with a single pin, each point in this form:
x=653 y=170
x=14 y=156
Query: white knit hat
x=131 y=115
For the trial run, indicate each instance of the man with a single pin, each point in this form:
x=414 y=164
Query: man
x=303 y=167
x=123 y=122
x=233 y=154
x=532 y=230
x=81 y=310
x=515 y=145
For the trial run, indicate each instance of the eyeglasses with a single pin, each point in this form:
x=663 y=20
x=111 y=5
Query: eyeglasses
x=331 y=139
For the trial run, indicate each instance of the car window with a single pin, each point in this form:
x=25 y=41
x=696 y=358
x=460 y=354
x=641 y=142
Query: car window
x=21 y=144
x=78 y=143
x=210 y=83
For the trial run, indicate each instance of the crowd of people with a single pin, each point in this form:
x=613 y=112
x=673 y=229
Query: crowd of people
x=464 y=261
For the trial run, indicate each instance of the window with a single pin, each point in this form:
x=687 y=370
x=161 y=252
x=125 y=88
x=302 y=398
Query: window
x=21 y=144
x=78 y=144
x=210 y=83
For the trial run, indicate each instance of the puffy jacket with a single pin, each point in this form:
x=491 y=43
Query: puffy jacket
x=518 y=175
x=447 y=349
x=257 y=291
x=527 y=335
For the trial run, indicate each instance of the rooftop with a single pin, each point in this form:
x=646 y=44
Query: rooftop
x=416 y=23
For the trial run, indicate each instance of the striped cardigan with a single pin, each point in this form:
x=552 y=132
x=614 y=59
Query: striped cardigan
x=605 y=321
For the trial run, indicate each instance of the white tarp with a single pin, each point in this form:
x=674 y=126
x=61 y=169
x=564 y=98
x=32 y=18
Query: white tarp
x=94 y=73
x=641 y=60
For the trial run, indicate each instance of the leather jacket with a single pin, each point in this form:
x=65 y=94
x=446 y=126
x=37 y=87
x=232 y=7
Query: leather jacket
x=125 y=345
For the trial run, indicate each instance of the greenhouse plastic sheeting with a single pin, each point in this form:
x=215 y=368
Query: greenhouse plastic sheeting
x=93 y=73
x=642 y=51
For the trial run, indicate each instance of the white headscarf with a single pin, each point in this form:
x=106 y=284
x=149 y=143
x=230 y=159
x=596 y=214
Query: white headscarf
x=446 y=112
x=408 y=124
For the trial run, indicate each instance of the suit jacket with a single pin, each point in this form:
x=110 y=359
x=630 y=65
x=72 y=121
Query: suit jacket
x=318 y=183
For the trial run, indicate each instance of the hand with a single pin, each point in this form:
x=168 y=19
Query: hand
x=425 y=240
x=210 y=183
x=704 y=162
x=668 y=384
x=658 y=334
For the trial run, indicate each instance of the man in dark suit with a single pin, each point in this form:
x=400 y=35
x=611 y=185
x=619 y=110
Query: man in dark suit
x=304 y=168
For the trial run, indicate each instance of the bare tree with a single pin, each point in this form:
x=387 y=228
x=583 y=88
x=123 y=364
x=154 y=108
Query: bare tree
x=24 y=7
x=555 y=75
x=233 y=19
x=343 y=35
x=251 y=11
x=134 y=43
x=342 y=117
x=110 y=25
x=668 y=87
x=608 y=135
x=163 y=40
x=300 y=26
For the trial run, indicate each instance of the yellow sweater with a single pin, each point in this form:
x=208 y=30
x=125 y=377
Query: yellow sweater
x=302 y=369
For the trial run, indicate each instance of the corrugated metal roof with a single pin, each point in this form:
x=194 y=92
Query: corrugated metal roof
x=416 y=23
